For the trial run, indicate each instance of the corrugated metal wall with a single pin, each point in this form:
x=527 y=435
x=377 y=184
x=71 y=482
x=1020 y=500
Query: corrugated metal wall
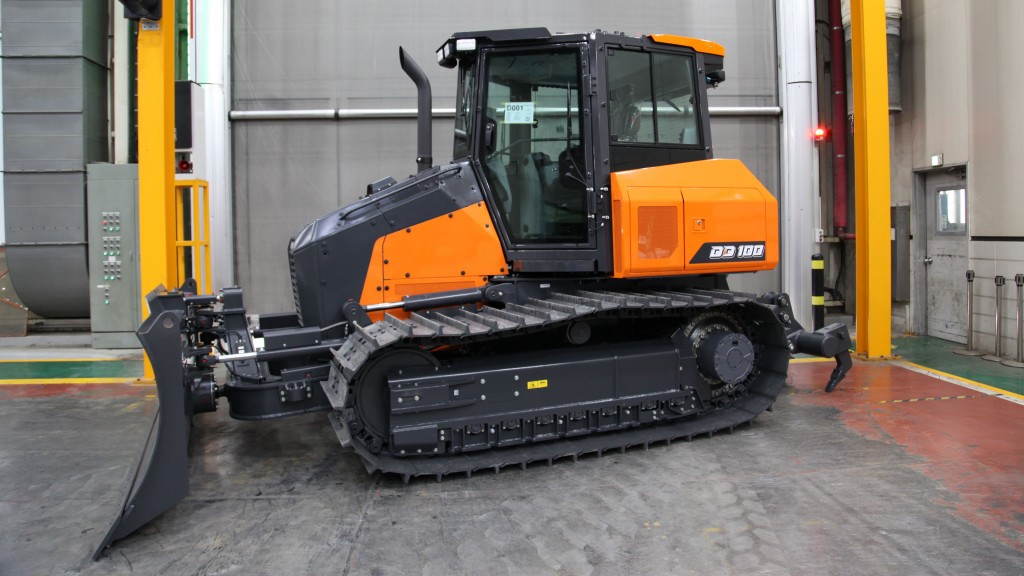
x=55 y=122
x=323 y=54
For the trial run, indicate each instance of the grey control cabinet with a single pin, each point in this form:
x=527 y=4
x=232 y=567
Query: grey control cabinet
x=115 y=297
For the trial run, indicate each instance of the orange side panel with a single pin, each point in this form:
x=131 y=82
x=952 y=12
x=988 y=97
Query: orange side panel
x=705 y=217
x=705 y=46
x=458 y=250
x=409 y=287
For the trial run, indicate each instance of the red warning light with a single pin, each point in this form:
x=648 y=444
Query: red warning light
x=820 y=133
x=184 y=167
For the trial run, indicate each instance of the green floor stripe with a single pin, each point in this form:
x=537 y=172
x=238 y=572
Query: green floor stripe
x=938 y=354
x=113 y=369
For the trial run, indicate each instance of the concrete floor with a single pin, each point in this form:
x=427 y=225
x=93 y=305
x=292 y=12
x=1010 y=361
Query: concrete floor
x=849 y=483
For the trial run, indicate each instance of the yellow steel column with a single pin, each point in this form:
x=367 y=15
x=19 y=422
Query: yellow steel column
x=871 y=145
x=156 y=155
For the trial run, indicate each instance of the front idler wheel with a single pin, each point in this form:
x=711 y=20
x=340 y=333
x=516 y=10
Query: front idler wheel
x=371 y=396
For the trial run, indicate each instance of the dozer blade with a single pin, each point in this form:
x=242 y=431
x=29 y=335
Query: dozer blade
x=159 y=478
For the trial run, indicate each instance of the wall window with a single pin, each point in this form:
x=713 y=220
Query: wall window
x=951 y=208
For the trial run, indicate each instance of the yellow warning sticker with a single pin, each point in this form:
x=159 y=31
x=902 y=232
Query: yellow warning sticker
x=535 y=384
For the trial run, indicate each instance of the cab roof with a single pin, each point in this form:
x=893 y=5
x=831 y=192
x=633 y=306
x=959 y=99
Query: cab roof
x=466 y=41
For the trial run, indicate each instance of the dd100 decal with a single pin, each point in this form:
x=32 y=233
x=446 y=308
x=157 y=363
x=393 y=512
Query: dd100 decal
x=728 y=252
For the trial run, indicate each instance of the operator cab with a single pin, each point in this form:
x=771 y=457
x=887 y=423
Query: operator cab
x=545 y=119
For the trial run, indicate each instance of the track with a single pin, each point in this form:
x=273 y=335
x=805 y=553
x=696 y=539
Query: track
x=467 y=326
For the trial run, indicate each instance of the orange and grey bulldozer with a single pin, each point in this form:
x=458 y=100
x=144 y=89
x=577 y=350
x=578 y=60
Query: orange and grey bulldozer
x=558 y=288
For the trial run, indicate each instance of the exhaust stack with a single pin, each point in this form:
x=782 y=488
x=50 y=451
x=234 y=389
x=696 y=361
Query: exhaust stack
x=424 y=158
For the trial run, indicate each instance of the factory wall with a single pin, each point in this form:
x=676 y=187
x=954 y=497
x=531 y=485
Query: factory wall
x=962 y=91
x=330 y=55
x=55 y=65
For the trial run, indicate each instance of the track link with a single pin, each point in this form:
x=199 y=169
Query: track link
x=460 y=326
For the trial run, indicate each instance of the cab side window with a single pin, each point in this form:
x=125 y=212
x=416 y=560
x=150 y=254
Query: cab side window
x=651 y=98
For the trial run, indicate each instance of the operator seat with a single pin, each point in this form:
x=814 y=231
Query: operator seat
x=624 y=119
x=527 y=200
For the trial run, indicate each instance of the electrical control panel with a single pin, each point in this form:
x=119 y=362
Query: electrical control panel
x=115 y=293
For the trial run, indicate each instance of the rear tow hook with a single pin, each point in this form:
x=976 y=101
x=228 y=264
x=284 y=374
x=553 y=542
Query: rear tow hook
x=832 y=341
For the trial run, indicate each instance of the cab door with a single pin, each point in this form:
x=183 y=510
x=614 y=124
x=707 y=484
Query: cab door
x=534 y=152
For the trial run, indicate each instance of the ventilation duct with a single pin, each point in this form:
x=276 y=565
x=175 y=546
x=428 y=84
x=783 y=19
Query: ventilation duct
x=55 y=122
x=893 y=23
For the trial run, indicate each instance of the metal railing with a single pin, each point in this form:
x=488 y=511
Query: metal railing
x=192 y=244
